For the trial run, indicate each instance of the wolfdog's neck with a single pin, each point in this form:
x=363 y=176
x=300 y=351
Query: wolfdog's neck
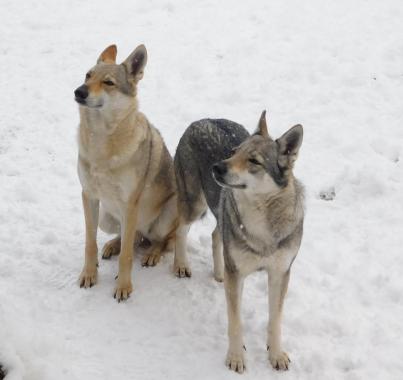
x=99 y=139
x=106 y=122
x=287 y=201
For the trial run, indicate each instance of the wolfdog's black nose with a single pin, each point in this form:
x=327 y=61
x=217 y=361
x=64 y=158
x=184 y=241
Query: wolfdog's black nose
x=81 y=92
x=220 y=168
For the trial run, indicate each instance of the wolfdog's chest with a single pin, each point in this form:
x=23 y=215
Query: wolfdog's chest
x=246 y=225
x=107 y=184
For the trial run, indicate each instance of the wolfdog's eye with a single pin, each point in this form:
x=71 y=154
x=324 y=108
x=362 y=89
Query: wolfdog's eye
x=87 y=76
x=254 y=161
x=108 y=82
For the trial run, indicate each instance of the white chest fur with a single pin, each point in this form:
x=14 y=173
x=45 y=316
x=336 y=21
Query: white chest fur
x=110 y=186
x=105 y=175
x=262 y=233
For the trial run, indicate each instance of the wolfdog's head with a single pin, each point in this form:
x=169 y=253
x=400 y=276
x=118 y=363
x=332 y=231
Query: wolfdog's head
x=109 y=86
x=260 y=164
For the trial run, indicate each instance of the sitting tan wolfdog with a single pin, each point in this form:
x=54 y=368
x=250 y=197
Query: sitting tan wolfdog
x=125 y=169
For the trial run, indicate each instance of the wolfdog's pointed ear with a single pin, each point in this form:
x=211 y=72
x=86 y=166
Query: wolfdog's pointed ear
x=288 y=145
x=136 y=62
x=108 y=55
x=262 y=126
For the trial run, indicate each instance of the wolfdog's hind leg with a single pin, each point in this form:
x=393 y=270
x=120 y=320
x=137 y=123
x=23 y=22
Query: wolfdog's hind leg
x=181 y=263
x=111 y=248
x=189 y=211
x=153 y=255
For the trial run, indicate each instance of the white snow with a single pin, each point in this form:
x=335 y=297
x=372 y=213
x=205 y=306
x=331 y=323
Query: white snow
x=334 y=66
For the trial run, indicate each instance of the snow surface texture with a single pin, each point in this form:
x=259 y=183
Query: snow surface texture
x=334 y=66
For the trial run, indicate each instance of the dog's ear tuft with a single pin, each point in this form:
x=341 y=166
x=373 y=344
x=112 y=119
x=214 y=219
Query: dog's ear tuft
x=262 y=126
x=108 y=55
x=136 y=62
x=288 y=146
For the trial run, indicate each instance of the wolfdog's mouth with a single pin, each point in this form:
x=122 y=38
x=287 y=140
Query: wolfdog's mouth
x=220 y=181
x=80 y=101
x=84 y=103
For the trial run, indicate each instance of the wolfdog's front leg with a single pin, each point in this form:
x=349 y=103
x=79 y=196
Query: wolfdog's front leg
x=129 y=222
x=233 y=284
x=218 y=255
x=88 y=276
x=278 y=284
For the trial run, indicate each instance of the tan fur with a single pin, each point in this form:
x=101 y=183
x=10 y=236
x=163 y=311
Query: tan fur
x=89 y=274
x=109 y=54
x=95 y=87
x=238 y=163
x=124 y=165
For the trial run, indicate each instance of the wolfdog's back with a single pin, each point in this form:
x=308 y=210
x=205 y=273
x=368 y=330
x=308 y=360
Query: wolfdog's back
x=204 y=143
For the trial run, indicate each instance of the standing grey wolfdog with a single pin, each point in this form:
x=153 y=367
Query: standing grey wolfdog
x=248 y=184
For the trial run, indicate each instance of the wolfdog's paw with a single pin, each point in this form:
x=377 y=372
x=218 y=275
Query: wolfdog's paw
x=123 y=291
x=111 y=248
x=182 y=270
x=236 y=361
x=279 y=360
x=219 y=276
x=151 y=259
x=88 y=277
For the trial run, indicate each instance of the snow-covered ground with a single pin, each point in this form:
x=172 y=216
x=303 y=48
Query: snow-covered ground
x=334 y=66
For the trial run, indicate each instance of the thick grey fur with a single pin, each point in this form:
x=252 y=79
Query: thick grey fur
x=204 y=143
